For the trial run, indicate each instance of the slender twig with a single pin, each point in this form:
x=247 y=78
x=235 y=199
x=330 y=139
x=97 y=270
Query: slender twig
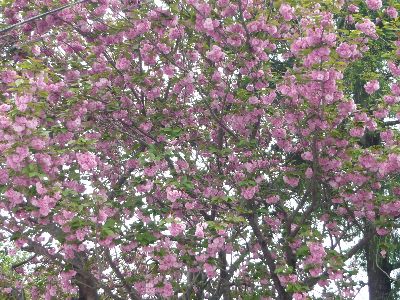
x=41 y=16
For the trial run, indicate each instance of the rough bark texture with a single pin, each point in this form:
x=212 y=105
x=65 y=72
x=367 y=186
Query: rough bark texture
x=378 y=267
x=87 y=288
x=378 y=270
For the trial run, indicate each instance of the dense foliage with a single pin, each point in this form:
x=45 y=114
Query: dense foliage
x=199 y=149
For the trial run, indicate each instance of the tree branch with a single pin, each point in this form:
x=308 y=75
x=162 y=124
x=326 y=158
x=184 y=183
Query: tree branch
x=131 y=290
x=283 y=295
x=40 y=16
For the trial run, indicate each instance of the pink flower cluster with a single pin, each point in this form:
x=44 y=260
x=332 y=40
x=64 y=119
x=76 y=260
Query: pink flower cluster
x=374 y=4
x=200 y=230
x=122 y=64
x=66 y=284
x=172 y=194
x=317 y=254
x=292 y=181
x=371 y=86
x=45 y=204
x=348 y=51
x=368 y=28
x=249 y=192
x=215 y=54
x=286 y=11
x=87 y=161
x=176 y=229
x=209 y=24
x=392 y=12
x=168 y=262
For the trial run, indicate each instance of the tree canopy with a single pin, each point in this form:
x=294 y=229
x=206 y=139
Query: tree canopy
x=199 y=149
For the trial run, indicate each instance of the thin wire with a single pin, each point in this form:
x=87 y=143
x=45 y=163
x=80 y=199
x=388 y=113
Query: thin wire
x=40 y=16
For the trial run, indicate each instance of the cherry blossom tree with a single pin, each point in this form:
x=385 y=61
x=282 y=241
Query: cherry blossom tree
x=200 y=149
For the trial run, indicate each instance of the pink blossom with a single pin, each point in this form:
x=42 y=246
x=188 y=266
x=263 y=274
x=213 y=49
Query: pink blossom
x=307 y=156
x=371 y=86
x=346 y=50
x=357 y=131
x=309 y=173
x=382 y=231
x=208 y=24
x=279 y=133
x=45 y=204
x=40 y=189
x=36 y=50
x=374 y=4
x=368 y=28
x=248 y=193
x=14 y=197
x=167 y=290
x=5 y=107
x=392 y=12
x=73 y=125
x=335 y=275
x=299 y=296
x=173 y=195
x=286 y=11
x=315 y=272
x=210 y=270
x=122 y=64
x=176 y=229
x=272 y=199
x=200 y=230
x=3 y=176
x=353 y=8
x=292 y=181
x=86 y=161
x=215 y=54
x=387 y=136
x=395 y=89
x=8 y=76
x=66 y=281
x=23 y=101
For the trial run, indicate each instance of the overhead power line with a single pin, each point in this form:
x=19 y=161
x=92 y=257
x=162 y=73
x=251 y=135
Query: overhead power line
x=8 y=28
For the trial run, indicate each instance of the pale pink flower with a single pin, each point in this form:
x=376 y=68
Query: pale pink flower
x=374 y=4
x=210 y=270
x=292 y=181
x=248 y=193
x=357 y=131
x=287 y=12
x=208 y=24
x=176 y=229
x=371 y=86
x=122 y=64
x=173 y=195
x=346 y=50
x=200 y=230
x=167 y=290
x=353 y=8
x=309 y=173
x=392 y=12
x=86 y=161
x=272 y=199
x=368 y=28
x=382 y=231
x=215 y=54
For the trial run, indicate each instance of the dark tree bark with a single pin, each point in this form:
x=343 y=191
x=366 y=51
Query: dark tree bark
x=87 y=288
x=378 y=267
x=378 y=270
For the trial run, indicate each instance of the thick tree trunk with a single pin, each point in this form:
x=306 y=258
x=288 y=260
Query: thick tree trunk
x=87 y=288
x=378 y=270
